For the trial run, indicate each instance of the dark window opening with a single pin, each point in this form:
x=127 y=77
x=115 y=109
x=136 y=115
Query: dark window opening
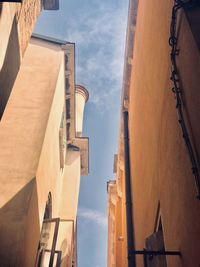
x=193 y=16
x=67 y=86
x=45 y=232
x=67 y=108
x=66 y=62
x=68 y=131
x=48 y=208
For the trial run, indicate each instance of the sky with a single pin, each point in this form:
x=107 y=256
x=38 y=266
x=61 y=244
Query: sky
x=98 y=28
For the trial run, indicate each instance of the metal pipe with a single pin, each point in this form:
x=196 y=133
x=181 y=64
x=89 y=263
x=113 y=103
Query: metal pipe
x=129 y=215
x=145 y=260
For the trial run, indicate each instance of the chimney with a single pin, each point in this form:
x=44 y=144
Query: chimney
x=82 y=96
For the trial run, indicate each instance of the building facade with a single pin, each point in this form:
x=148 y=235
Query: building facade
x=116 y=226
x=17 y=21
x=42 y=156
x=159 y=146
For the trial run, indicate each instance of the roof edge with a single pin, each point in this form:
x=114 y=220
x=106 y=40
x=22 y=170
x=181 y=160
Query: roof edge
x=50 y=39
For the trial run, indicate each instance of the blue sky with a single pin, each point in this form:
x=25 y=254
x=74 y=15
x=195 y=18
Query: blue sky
x=98 y=28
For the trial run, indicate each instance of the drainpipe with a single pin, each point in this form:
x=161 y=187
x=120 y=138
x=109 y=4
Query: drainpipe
x=129 y=215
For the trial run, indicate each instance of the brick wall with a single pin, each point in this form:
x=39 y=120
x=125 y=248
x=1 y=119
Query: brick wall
x=27 y=15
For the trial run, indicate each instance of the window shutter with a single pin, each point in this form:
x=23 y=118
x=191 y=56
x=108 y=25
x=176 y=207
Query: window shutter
x=155 y=242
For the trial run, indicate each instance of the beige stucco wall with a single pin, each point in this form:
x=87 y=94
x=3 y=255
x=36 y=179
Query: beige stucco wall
x=69 y=197
x=30 y=159
x=69 y=205
x=24 y=16
x=6 y=20
x=23 y=125
x=22 y=132
x=16 y=25
x=79 y=112
x=10 y=57
x=81 y=99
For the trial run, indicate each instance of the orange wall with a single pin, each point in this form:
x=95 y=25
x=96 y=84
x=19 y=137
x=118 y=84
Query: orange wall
x=117 y=244
x=160 y=167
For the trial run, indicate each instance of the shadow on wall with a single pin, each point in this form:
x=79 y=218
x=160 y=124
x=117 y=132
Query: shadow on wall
x=17 y=217
x=65 y=258
x=10 y=67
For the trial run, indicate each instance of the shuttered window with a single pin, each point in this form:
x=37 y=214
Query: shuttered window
x=155 y=242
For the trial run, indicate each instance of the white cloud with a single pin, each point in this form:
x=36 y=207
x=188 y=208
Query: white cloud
x=100 y=39
x=92 y=215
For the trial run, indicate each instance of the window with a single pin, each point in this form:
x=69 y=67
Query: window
x=68 y=108
x=68 y=131
x=45 y=232
x=66 y=62
x=67 y=86
x=193 y=16
x=62 y=141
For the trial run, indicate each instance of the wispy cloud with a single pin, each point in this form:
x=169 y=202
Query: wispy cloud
x=98 y=28
x=99 y=35
x=92 y=215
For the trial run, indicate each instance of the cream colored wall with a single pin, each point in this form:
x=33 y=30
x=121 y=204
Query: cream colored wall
x=49 y=174
x=68 y=205
x=30 y=159
x=80 y=105
x=22 y=132
x=71 y=184
x=9 y=52
x=47 y=45
x=23 y=125
x=16 y=25
x=62 y=183
x=6 y=21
